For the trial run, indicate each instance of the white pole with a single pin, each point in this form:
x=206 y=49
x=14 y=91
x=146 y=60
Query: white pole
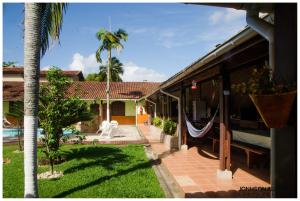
x=146 y=99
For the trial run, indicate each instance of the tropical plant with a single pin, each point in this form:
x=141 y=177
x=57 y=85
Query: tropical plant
x=157 y=121
x=17 y=112
x=109 y=40
x=41 y=22
x=9 y=64
x=57 y=111
x=260 y=83
x=169 y=127
x=116 y=70
x=94 y=77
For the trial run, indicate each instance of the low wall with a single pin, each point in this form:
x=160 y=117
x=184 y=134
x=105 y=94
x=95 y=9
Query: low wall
x=142 y=118
x=124 y=120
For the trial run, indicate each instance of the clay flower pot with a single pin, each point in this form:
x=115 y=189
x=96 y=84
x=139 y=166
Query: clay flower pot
x=275 y=108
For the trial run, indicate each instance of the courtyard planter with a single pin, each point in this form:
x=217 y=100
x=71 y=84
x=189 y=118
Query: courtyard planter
x=170 y=141
x=274 y=109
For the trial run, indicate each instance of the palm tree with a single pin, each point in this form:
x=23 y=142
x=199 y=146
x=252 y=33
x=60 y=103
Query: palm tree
x=115 y=71
x=109 y=40
x=41 y=21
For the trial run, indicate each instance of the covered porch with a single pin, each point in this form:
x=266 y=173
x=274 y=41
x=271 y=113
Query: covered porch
x=194 y=170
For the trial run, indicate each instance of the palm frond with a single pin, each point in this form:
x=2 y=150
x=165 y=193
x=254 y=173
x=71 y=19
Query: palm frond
x=98 y=53
x=117 y=46
x=101 y=34
x=51 y=23
x=121 y=34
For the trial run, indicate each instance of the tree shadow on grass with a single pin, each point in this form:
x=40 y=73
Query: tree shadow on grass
x=98 y=181
x=105 y=157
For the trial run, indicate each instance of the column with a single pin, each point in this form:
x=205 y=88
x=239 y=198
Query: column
x=225 y=131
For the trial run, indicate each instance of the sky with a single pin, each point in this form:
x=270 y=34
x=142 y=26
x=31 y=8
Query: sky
x=162 y=38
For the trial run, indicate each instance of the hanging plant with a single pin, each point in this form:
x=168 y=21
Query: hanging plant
x=272 y=100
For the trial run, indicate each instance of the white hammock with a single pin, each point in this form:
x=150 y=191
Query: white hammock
x=198 y=133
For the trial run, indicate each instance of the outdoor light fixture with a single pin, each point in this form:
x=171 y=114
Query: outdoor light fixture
x=194 y=85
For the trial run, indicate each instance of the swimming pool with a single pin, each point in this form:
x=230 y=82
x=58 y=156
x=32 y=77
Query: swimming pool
x=13 y=132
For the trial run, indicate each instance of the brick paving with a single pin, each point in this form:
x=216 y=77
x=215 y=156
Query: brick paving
x=195 y=170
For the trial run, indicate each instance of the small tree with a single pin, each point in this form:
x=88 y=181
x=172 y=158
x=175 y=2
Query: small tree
x=17 y=112
x=57 y=111
x=9 y=64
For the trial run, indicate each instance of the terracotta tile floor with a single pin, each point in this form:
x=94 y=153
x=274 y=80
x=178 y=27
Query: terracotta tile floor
x=195 y=170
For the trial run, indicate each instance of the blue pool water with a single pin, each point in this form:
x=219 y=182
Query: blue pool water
x=13 y=132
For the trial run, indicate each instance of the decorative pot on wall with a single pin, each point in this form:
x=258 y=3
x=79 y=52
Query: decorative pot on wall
x=274 y=109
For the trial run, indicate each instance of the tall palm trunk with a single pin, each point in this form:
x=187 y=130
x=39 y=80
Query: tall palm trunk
x=107 y=87
x=32 y=42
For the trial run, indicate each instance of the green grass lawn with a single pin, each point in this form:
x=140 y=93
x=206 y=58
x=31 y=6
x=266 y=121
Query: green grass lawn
x=103 y=171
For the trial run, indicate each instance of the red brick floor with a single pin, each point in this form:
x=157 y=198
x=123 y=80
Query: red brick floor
x=195 y=170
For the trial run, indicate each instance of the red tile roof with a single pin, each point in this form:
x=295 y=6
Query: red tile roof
x=13 y=91
x=118 y=90
x=20 y=70
x=89 y=90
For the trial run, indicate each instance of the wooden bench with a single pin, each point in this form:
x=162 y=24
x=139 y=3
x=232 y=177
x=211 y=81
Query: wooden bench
x=250 y=150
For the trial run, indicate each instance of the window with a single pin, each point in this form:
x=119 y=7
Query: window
x=118 y=108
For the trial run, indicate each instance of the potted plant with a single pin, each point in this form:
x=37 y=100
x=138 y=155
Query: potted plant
x=169 y=130
x=272 y=100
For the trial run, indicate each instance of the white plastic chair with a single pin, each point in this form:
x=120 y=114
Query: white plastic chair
x=114 y=123
x=101 y=127
x=106 y=130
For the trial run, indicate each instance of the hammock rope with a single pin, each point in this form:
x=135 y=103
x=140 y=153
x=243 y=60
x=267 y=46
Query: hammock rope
x=199 y=133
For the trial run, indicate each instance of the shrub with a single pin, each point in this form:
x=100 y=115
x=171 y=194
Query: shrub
x=157 y=121
x=169 y=127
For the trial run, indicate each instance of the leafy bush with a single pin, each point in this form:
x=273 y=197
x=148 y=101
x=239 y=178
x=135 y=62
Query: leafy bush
x=169 y=127
x=157 y=121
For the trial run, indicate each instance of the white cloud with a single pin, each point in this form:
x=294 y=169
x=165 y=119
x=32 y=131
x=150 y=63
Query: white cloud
x=226 y=16
x=216 y=17
x=46 y=67
x=133 y=72
x=139 y=30
x=85 y=64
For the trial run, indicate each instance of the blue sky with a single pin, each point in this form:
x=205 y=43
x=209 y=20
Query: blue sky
x=163 y=38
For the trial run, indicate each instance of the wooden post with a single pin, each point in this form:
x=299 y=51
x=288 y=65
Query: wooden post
x=225 y=131
x=100 y=112
x=183 y=126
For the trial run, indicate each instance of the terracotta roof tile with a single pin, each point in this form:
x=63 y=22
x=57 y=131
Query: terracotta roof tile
x=118 y=90
x=13 y=91
x=89 y=90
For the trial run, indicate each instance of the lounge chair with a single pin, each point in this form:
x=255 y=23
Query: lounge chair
x=6 y=123
x=107 y=131
x=101 y=127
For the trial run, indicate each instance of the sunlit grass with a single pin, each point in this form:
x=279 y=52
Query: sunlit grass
x=103 y=171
